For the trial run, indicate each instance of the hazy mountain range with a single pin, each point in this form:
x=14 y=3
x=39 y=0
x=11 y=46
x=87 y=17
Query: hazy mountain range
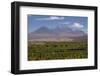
x=57 y=34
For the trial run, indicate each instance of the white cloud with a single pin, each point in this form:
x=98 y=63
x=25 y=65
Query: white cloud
x=77 y=26
x=51 y=18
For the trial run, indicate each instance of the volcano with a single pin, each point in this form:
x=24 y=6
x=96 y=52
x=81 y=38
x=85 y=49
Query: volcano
x=57 y=34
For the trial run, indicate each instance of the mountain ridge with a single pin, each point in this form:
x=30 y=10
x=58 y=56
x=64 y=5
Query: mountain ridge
x=47 y=34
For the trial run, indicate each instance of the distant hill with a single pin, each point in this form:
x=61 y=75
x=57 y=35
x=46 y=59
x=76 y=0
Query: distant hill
x=57 y=34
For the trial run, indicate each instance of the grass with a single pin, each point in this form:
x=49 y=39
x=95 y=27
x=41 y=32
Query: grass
x=57 y=50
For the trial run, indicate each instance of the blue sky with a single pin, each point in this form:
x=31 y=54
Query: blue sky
x=74 y=22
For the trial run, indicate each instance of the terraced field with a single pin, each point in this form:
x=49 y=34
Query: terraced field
x=57 y=50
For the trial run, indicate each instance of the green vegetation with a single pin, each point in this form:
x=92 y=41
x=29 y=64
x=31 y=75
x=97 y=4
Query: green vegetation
x=57 y=50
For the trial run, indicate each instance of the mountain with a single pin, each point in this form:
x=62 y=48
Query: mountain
x=57 y=34
x=43 y=30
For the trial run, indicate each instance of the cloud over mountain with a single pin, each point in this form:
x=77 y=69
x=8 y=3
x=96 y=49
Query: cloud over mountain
x=77 y=26
x=51 y=18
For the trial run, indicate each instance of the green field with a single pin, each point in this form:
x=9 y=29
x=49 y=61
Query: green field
x=57 y=50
